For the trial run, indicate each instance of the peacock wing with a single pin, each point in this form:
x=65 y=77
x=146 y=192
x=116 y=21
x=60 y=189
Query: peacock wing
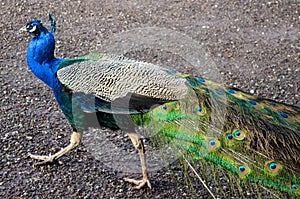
x=119 y=85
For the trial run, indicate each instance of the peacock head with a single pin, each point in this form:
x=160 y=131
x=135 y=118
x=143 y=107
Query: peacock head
x=35 y=28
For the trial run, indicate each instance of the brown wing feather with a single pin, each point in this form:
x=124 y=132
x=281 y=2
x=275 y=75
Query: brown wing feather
x=112 y=78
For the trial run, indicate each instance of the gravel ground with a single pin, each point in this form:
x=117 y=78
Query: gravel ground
x=251 y=45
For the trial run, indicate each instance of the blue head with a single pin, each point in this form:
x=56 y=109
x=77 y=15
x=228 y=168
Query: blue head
x=36 y=28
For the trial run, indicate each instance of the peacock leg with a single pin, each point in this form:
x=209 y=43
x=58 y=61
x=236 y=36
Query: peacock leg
x=138 y=143
x=74 y=142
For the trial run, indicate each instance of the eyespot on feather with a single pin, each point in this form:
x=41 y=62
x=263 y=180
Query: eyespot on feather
x=243 y=170
x=238 y=135
x=213 y=144
x=273 y=167
x=228 y=139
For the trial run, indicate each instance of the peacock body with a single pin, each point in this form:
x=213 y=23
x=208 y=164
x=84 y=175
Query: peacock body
x=256 y=139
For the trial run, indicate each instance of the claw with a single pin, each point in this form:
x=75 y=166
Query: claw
x=139 y=183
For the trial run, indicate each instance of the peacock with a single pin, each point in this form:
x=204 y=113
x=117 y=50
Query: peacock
x=255 y=139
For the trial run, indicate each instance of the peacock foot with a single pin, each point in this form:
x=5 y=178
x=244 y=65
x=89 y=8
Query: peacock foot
x=45 y=158
x=74 y=142
x=139 y=183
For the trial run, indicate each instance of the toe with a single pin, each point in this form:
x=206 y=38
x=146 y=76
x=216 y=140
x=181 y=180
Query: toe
x=44 y=158
x=139 y=183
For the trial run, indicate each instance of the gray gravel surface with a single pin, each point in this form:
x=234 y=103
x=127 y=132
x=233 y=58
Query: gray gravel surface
x=251 y=45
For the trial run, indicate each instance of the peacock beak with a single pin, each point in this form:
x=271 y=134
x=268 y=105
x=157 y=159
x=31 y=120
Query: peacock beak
x=23 y=29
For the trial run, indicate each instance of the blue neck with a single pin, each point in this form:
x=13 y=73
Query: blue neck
x=41 y=60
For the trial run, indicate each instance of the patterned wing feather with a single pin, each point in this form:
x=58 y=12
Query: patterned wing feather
x=122 y=82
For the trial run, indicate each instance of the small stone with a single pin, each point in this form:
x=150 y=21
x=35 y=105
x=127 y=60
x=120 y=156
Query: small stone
x=28 y=137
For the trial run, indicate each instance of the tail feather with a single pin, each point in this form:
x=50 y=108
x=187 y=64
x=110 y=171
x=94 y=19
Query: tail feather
x=254 y=139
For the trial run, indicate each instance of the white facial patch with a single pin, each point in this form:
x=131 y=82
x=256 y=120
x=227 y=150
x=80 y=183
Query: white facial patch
x=32 y=29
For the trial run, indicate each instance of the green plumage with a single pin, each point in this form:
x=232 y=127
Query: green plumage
x=259 y=140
